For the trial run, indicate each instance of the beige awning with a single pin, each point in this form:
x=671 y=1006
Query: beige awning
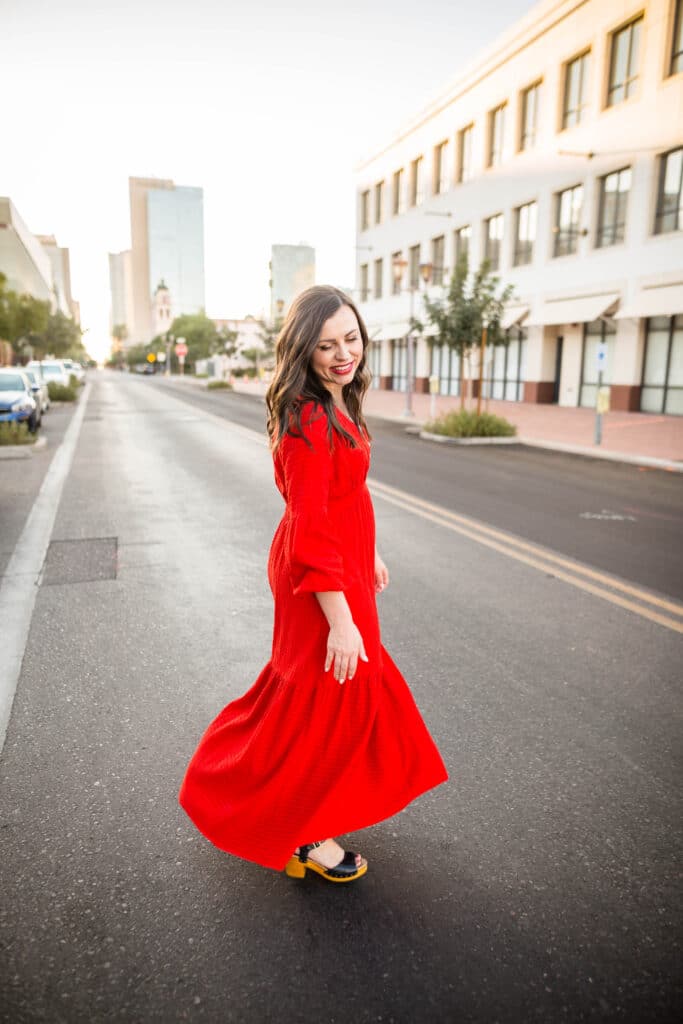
x=513 y=315
x=388 y=332
x=662 y=300
x=577 y=310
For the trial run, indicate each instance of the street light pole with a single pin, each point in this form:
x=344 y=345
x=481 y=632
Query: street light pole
x=398 y=266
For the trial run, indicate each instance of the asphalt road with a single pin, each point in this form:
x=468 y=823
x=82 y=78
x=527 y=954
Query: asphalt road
x=540 y=884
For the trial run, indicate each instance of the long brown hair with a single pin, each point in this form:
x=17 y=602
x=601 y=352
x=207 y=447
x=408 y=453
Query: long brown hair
x=295 y=382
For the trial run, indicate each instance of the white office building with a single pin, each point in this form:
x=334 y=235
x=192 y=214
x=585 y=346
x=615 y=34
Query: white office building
x=558 y=155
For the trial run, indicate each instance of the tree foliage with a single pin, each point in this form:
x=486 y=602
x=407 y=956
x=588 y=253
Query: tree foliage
x=32 y=329
x=458 y=317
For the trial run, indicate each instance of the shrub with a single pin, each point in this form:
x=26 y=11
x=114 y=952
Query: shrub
x=60 y=392
x=12 y=432
x=219 y=385
x=466 y=423
x=201 y=376
x=73 y=381
x=239 y=371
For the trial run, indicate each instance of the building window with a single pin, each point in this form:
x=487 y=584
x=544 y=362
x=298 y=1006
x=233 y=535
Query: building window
x=575 y=90
x=594 y=334
x=379 y=264
x=461 y=244
x=623 y=71
x=614 y=190
x=398 y=201
x=525 y=233
x=662 y=389
x=395 y=284
x=496 y=135
x=364 y=291
x=375 y=362
x=365 y=210
x=506 y=370
x=670 y=195
x=445 y=364
x=677 y=41
x=440 y=183
x=493 y=240
x=416 y=194
x=414 y=266
x=379 y=202
x=568 y=209
x=438 y=257
x=529 y=125
x=399 y=364
x=465 y=153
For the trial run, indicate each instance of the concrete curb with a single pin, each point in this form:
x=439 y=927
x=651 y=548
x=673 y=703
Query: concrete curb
x=597 y=453
x=21 y=451
x=445 y=439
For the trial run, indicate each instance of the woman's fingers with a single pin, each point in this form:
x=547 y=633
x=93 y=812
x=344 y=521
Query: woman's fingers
x=363 y=655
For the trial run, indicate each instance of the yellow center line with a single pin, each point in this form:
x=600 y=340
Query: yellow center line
x=544 y=562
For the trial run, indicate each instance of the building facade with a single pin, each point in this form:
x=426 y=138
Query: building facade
x=167 y=243
x=557 y=156
x=121 y=289
x=292 y=269
x=23 y=260
x=61 y=276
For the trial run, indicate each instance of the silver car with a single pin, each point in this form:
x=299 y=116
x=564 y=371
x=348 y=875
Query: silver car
x=51 y=369
x=39 y=388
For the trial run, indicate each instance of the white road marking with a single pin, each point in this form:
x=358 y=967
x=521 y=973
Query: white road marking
x=21 y=580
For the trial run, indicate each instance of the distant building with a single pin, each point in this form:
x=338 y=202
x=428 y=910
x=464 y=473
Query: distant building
x=248 y=331
x=162 y=309
x=558 y=156
x=167 y=243
x=61 y=275
x=292 y=269
x=23 y=260
x=121 y=287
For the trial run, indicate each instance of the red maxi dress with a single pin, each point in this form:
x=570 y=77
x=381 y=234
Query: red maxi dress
x=301 y=757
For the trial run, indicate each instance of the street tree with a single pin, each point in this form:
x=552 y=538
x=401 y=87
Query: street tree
x=471 y=301
x=23 y=318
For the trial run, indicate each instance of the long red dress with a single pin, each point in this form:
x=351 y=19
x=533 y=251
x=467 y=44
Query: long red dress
x=301 y=757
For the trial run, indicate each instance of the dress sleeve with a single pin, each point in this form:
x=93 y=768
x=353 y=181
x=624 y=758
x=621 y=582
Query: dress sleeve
x=314 y=557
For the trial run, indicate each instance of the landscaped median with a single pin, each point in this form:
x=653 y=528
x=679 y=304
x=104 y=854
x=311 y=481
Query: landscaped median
x=469 y=427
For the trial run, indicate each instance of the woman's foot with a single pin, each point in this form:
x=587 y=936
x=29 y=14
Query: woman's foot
x=328 y=860
x=330 y=854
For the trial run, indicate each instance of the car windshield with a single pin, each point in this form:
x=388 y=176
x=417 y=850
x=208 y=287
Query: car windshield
x=11 y=382
x=52 y=370
x=32 y=376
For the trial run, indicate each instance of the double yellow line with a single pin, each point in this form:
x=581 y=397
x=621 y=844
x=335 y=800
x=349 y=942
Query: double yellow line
x=609 y=588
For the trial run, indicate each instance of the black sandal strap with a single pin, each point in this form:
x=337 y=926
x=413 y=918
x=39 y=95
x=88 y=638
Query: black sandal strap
x=347 y=866
x=304 y=850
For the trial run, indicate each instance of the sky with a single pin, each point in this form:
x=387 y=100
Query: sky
x=267 y=106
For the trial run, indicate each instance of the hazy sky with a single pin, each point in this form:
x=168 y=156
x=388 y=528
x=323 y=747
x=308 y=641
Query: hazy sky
x=268 y=106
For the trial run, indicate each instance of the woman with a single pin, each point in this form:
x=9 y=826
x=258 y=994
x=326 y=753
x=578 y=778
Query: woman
x=328 y=739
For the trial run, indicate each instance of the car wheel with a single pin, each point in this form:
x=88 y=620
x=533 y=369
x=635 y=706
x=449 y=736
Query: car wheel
x=32 y=423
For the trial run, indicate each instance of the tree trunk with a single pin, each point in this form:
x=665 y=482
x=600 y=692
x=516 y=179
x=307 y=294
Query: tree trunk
x=462 y=379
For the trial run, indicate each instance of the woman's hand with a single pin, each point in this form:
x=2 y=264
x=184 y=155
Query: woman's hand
x=344 y=648
x=381 y=574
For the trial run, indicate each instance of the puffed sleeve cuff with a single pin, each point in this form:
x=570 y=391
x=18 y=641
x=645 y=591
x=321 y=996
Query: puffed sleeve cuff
x=315 y=562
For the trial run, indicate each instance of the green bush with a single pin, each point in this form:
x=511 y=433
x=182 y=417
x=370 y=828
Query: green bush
x=219 y=385
x=201 y=376
x=238 y=371
x=12 y=432
x=60 y=392
x=466 y=423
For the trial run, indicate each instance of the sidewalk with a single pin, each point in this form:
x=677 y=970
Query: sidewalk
x=643 y=438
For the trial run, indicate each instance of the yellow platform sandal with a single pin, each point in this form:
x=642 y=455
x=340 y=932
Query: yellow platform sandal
x=345 y=871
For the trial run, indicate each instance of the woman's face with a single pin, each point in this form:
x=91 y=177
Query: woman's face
x=339 y=350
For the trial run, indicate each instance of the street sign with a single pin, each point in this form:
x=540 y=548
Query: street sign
x=603 y=400
x=433 y=385
x=151 y=358
x=181 y=350
x=601 y=357
x=161 y=357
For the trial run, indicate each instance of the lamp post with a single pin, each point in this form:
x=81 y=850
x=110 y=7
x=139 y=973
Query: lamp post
x=482 y=355
x=398 y=267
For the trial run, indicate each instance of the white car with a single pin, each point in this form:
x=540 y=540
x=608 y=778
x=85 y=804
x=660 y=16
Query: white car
x=16 y=401
x=75 y=368
x=51 y=369
x=38 y=388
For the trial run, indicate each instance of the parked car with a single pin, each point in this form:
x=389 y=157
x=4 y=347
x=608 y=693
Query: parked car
x=75 y=368
x=51 y=369
x=16 y=401
x=39 y=388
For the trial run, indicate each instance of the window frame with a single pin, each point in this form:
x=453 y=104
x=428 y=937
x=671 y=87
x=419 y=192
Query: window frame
x=634 y=80
x=557 y=227
x=522 y=145
x=661 y=177
x=584 y=56
x=465 y=133
x=488 y=221
x=438 y=269
x=456 y=242
x=600 y=243
x=398 y=192
x=416 y=185
x=414 y=257
x=676 y=32
x=363 y=283
x=379 y=201
x=365 y=209
x=517 y=260
x=439 y=165
x=395 y=284
x=377 y=277
x=491 y=135
x=666 y=386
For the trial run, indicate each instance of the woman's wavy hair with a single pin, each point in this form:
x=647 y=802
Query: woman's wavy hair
x=295 y=382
